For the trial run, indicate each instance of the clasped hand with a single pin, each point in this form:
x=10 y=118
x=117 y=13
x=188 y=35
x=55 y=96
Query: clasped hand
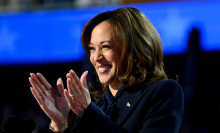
x=57 y=105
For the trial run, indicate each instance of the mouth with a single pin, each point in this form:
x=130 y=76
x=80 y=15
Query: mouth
x=104 y=69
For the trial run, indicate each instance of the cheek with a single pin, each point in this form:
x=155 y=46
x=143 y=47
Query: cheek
x=92 y=60
x=117 y=62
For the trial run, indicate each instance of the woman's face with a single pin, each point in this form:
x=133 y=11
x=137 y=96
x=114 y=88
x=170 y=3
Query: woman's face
x=105 y=54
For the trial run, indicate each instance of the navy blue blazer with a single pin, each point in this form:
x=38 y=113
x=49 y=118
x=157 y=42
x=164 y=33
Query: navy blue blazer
x=157 y=108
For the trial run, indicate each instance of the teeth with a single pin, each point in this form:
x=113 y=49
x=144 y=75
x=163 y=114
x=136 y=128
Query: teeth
x=102 y=69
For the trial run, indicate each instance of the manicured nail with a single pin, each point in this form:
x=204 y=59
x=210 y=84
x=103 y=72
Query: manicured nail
x=72 y=71
x=68 y=75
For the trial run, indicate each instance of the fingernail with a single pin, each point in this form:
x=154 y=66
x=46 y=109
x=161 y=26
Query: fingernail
x=71 y=71
x=68 y=75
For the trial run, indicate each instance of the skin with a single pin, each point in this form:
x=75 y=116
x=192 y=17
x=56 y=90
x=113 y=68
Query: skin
x=56 y=105
x=105 y=53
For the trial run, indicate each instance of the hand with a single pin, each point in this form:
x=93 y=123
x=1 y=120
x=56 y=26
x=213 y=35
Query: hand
x=80 y=98
x=54 y=104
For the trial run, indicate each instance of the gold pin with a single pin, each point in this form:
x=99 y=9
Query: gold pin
x=128 y=104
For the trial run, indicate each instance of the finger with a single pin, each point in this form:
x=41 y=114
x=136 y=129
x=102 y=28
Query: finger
x=75 y=78
x=60 y=87
x=36 y=96
x=74 y=90
x=69 y=87
x=70 y=99
x=77 y=89
x=76 y=83
x=38 y=82
x=82 y=86
x=44 y=81
x=36 y=87
x=78 y=97
x=73 y=105
x=83 y=79
x=73 y=86
x=84 y=83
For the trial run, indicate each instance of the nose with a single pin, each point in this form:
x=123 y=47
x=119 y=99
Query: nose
x=97 y=55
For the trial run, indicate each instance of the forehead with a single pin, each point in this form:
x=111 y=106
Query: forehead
x=102 y=32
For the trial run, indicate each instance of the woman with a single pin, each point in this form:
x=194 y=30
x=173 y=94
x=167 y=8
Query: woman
x=132 y=93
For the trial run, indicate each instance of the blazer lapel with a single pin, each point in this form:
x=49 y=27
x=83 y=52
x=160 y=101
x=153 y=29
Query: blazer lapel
x=127 y=104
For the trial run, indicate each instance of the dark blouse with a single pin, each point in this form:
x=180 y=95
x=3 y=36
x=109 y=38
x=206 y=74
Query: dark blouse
x=109 y=103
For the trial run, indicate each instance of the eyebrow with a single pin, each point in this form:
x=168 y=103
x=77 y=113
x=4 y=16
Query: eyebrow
x=101 y=42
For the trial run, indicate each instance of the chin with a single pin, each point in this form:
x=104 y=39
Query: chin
x=106 y=78
x=106 y=81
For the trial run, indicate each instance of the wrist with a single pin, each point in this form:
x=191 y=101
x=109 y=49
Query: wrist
x=58 y=128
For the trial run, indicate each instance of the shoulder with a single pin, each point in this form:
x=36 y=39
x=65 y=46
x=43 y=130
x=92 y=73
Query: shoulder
x=159 y=87
x=165 y=84
x=165 y=87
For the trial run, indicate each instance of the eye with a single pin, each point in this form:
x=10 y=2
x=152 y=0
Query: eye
x=106 y=46
x=91 y=48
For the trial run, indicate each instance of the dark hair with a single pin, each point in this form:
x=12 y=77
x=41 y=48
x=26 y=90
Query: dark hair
x=140 y=44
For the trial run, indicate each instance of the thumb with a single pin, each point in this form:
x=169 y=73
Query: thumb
x=83 y=79
x=60 y=87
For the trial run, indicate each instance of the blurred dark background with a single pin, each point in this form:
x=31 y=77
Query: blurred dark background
x=196 y=67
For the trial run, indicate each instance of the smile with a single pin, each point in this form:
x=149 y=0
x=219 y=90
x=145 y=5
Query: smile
x=104 y=69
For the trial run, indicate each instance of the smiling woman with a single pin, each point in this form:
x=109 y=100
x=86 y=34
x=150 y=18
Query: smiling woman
x=135 y=47
x=132 y=93
x=105 y=55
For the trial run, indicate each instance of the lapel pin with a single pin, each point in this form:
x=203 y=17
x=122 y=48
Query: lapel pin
x=128 y=104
